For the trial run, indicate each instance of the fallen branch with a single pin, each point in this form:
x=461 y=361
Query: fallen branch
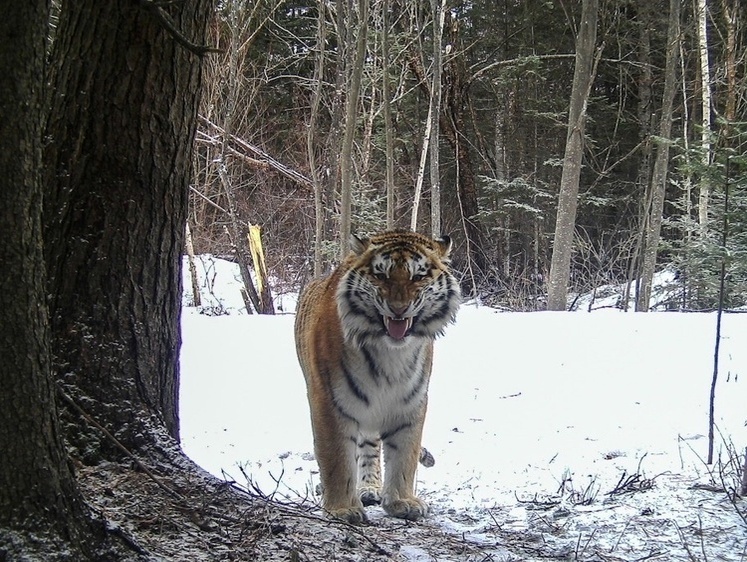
x=253 y=154
x=631 y=483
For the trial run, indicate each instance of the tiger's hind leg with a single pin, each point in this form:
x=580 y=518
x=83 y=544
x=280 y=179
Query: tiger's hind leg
x=369 y=470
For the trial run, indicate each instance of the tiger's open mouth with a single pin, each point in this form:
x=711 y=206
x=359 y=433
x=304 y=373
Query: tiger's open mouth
x=397 y=327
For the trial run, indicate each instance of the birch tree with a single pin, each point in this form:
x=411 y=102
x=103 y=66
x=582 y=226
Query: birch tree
x=387 y=109
x=705 y=98
x=569 y=182
x=439 y=13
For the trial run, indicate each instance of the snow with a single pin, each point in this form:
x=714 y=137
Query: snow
x=534 y=419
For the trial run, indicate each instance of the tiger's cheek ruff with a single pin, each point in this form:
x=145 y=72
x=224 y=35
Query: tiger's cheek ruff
x=356 y=303
x=440 y=303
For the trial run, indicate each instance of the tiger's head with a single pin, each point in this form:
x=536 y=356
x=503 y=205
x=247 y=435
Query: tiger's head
x=397 y=286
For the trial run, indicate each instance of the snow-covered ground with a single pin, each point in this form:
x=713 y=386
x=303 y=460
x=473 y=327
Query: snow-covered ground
x=535 y=419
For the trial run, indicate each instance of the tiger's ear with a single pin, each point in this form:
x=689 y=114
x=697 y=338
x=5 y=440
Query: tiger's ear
x=358 y=245
x=443 y=244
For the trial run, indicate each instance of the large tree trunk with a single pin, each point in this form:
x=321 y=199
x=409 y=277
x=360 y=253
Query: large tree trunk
x=565 y=223
x=41 y=511
x=661 y=164
x=123 y=116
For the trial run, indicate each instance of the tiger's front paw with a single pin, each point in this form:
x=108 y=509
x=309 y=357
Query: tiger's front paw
x=411 y=508
x=370 y=495
x=353 y=515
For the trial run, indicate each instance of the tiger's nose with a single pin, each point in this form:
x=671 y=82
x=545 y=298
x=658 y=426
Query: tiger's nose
x=398 y=311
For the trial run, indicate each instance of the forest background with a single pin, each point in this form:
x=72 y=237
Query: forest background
x=125 y=121
x=301 y=88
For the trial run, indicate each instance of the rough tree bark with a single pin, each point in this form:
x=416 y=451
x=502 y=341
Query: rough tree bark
x=41 y=511
x=123 y=116
x=568 y=198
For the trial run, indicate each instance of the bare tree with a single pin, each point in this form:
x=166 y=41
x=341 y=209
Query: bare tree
x=387 y=108
x=421 y=166
x=439 y=14
x=568 y=198
x=311 y=135
x=731 y=12
x=453 y=119
x=355 y=76
x=658 y=187
x=645 y=12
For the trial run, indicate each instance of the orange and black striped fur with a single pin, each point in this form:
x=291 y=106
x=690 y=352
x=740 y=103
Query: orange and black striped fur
x=364 y=338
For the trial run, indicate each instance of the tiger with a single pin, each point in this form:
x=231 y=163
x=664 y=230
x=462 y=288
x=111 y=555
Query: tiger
x=364 y=339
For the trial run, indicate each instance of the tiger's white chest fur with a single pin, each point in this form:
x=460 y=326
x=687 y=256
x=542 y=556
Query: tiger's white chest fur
x=383 y=385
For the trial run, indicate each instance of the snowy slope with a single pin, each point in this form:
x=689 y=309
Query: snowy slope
x=534 y=418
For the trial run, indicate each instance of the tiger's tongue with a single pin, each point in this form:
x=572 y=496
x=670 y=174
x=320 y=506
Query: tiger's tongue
x=397 y=328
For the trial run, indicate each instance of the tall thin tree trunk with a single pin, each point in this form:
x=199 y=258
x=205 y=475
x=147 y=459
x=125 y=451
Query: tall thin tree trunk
x=687 y=199
x=421 y=167
x=237 y=230
x=351 y=117
x=569 y=183
x=439 y=14
x=661 y=163
x=705 y=97
x=196 y=299
x=311 y=133
x=451 y=124
x=645 y=111
x=456 y=100
x=388 y=126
